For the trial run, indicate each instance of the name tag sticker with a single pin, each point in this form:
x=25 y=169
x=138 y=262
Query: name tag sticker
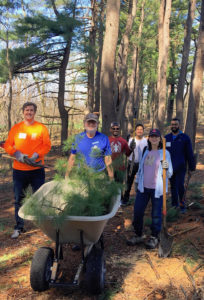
x=168 y=144
x=22 y=135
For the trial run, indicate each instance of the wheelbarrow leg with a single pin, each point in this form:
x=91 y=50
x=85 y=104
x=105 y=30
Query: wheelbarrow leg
x=58 y=249
x=58 y=256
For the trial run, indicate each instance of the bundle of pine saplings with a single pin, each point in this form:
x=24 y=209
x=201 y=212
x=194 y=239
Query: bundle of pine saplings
x=84 y=193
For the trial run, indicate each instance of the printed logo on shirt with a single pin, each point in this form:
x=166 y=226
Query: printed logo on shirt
x=116 y=147
x=95 y=142
x=149 y=161
x=22 y=135
x=168 y=144
x=33 y=136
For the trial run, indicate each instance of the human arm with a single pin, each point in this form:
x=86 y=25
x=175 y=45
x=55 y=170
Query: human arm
x=70 y=164
x=9 y=145
x=108 y=163
x=130 y=147
x=189 y=155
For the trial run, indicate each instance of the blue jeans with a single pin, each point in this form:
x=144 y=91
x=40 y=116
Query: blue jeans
x=21 y=180
x=177 y=188
x=140 y=205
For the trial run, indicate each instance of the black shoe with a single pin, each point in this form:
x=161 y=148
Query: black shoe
x=125 y=203
x=76 y=248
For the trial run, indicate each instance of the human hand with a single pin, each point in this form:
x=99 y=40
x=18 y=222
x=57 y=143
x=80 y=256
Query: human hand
x=165 y=164
x=34 y=157
x=20 y=156
x=132 y=145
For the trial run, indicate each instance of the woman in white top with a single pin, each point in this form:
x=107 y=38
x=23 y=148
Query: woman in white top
x=150 y=186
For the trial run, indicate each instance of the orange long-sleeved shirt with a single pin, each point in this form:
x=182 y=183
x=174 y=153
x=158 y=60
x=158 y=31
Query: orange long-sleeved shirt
x=28 y=139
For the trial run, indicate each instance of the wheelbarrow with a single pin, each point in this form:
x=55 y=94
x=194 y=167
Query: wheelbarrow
x=83 y=230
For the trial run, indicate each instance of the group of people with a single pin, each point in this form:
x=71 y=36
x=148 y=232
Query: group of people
x=28 y=141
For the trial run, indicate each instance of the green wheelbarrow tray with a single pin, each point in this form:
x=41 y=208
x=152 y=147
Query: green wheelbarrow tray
x=69 y=231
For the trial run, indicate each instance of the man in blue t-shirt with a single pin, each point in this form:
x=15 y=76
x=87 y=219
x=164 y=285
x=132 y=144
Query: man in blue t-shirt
x=180 y=148
x=93 y=146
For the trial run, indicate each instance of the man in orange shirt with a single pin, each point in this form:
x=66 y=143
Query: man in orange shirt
x=28 y=141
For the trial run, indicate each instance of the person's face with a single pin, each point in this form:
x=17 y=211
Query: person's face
x=91 y=126
x=139 y=131
x=174 y=126
x=154 y=140
x=29 y=113
x=115 y=130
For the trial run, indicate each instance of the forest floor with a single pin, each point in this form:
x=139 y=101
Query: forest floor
x=132 y=273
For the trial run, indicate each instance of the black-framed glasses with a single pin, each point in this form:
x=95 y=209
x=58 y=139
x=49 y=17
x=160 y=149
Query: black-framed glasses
x=115 y=128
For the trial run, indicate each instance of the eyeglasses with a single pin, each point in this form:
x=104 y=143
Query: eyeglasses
x=115 y=128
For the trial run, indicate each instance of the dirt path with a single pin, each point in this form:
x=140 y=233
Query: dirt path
x=129 y=272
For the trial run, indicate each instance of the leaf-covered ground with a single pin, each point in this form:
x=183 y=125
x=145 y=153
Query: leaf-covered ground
x=132 y=273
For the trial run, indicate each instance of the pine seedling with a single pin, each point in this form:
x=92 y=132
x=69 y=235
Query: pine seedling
x=85 y=193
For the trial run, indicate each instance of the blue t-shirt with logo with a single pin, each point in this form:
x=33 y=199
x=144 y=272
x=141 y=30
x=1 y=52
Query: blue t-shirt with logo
x=93 y=149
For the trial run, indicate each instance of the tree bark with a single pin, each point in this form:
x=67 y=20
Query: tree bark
x=196 y=83
x=62 y=77
x=184 y=63
x=163 y=41
x=98 y=67
x=171 y=102
x=108 y=63
x=122 y=60
x=91 y=58
x=10 y=82
x=132 y=109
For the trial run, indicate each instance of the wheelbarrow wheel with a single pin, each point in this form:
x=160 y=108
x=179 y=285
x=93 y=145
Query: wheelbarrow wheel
x=40 y=271
x=95 y=271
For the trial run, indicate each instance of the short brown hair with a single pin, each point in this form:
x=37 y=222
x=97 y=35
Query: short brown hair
x=29 y=104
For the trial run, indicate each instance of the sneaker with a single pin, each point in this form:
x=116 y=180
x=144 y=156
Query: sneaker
x=76 y=248
x=16 y=234
x=136 y=240
x=125 y=203
x=152 y=242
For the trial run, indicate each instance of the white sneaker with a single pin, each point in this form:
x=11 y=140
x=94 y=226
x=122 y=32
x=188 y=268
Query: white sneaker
x=152 y=243
x=136 y=240
x=15 y=234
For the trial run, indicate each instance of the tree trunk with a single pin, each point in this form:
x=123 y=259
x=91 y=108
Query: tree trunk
x=132 y=110
x=163 y=41
x=108 y=63
x=62 y=77
x=91 y=58
x=184 y=63
x=170 y=103
x=10 y=82
x=122 y=60
x=98 y=67
x=196 y=83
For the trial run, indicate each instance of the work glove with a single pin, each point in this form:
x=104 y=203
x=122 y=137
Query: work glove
x=34 y=157
x=20 y=156
x=32 y=163
x=165 y=164
x=132 y=145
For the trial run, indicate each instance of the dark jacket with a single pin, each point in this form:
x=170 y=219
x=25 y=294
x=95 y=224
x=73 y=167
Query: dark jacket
x=181 y=151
